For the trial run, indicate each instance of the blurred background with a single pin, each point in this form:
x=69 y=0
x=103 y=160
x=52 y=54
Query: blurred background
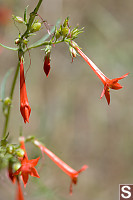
x=67 y=113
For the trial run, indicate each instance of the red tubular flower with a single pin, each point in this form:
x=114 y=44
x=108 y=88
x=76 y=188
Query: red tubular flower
x=46 y=66
x=27 y=166
x=108 y=83
x=61 y=164
x=24 y=104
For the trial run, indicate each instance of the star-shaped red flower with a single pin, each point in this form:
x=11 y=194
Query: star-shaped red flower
x=28 y=168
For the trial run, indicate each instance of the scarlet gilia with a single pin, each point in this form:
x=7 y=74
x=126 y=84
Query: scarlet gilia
x=46 y=66
x=61 y=164
x=108 y=83
x=24 y=104
x=27 y=166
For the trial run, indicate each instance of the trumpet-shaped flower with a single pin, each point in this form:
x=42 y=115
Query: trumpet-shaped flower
x=108 y=83
x=62 y=165
x=27 y=166
x=24 y=104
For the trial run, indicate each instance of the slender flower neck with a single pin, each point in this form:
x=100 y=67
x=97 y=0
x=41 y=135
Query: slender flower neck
x=97 y=71
x=19 y=191
x=61 y=164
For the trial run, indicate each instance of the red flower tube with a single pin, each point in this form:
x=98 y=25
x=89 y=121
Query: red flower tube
x=19 y=195
x=61 y=164
x=108 y=83
x=24 y=104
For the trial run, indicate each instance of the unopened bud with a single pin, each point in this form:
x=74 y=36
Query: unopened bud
x=7 y=101
x=57 y=34
x=65 y=31
x=19 y=152
x=16 y=166
x=35 y=27
x=17 y=41
x=10 y=148
x=18 y=19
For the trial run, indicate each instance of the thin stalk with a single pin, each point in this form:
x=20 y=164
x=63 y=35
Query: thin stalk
x=11 y=97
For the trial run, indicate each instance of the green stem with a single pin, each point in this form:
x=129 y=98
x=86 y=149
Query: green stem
x=31 y=19
x=11 y=97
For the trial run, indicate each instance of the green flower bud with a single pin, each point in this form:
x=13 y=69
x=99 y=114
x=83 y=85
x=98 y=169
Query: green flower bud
x=65 y=31
x=10 y=148
x=19 y=152
x=7 y=101
x=36 y=27
x=57 y=35
x=16 y=166
x=18 y=19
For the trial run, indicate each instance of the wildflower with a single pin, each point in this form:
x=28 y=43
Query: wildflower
x=27 y=166
x=46 y=66
x=108 y=83
x=24 y=104
x=62 y=165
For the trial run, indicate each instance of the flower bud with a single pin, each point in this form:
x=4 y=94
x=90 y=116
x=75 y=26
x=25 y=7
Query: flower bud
x=10 y=149
x=7 y=101
x=16 y=166
x=65 y=31
x=36 y=27
x=19 y=152
x=57 y=34
x=18 y=19
x=46 y=66
x=17 y=41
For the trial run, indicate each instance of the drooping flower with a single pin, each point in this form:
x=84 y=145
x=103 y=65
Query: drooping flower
x=27 y=166
x=108 y=83
x=24 y=104
x=46 y=66
x=61 y=164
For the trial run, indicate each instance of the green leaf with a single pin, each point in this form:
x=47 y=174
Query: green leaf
x=10 y=48
x=44 y=38
x=3 y=85
x=25 y=14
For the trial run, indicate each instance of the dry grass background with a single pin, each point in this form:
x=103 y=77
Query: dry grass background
x=67 y=114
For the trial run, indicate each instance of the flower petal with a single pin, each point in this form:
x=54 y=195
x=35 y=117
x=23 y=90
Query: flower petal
x=25 y=178
x=107 y=95
x=34 y=161
x=34 y=173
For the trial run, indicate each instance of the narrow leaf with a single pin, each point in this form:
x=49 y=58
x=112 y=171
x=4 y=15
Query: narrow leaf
x=3 y=85
x=25 y=14
x=10 y=48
